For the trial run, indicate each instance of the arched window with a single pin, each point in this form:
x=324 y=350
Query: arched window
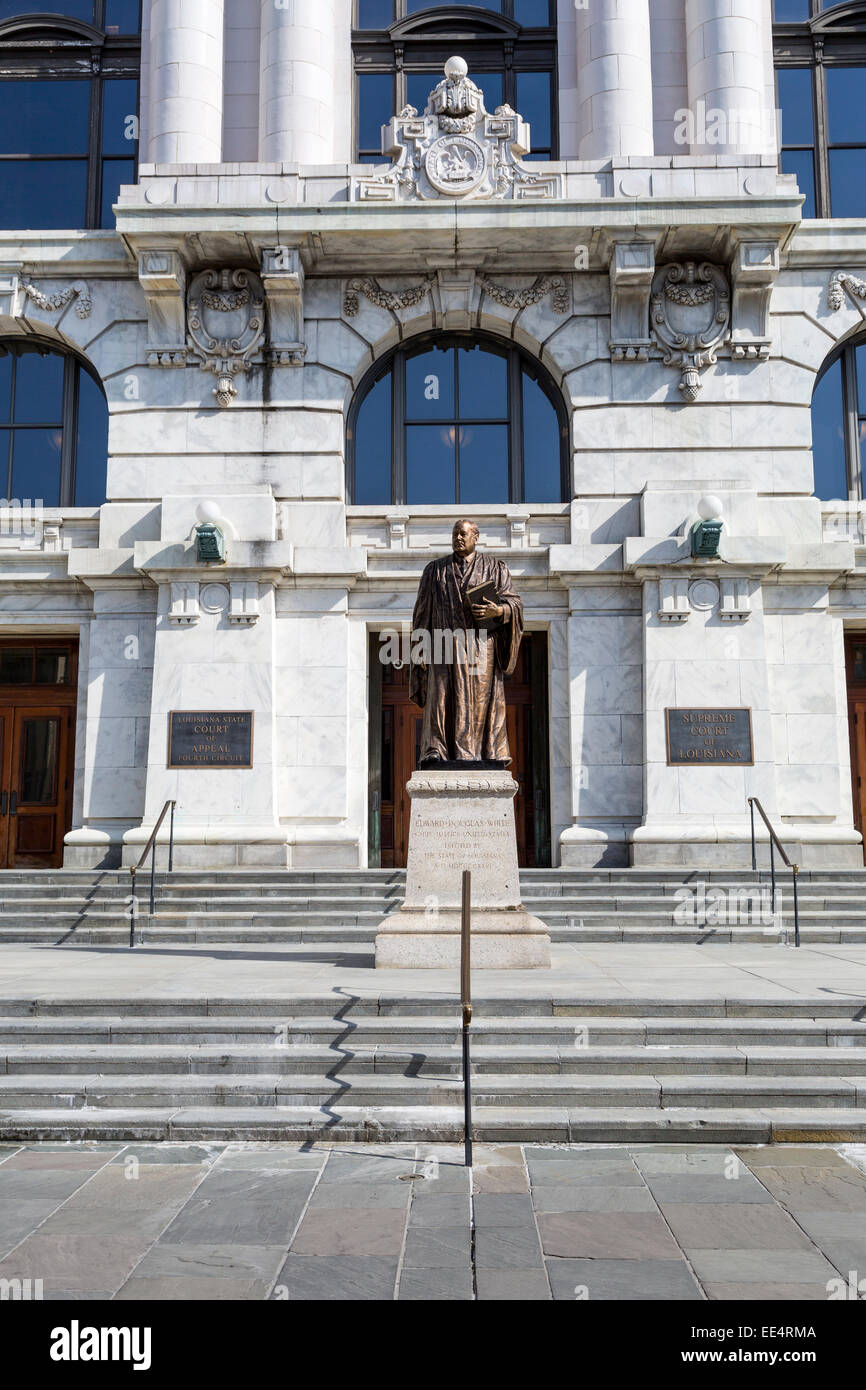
x=820 y=56
x=839 y=425
x=452 y=419
x=400 y=47
x=53 y=427
x=68 y=110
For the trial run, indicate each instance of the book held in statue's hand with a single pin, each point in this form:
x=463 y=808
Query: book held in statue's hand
x=487 y=591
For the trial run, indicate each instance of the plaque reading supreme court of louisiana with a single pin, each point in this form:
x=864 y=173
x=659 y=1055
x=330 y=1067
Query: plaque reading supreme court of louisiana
x=709 y=736
x=210 y=738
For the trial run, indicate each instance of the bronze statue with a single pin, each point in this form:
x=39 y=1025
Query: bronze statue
x=466 y=631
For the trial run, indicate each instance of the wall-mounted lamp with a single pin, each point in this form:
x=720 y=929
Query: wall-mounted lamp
x=210 y=541
x=707 y=533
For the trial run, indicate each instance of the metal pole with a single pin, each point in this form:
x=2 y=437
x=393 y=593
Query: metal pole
x=152 y=872
x=171 y=840
x=795 y=870
x=754 y=853
x=132 y=912
x=773 y=873
x=466 y=1006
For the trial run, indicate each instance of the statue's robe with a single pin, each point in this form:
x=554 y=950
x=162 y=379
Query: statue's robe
x=464 y=701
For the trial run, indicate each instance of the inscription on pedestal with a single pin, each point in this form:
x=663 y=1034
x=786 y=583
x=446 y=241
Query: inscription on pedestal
x=709 y=736
x=210 y=738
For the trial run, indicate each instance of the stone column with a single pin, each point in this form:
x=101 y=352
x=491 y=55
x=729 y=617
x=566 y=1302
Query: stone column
x=727 y=87
x=297 y=82
x=186 y=82
x=614 y=79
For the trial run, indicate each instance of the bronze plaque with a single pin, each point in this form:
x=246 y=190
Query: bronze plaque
x=210 y=738
x=709 y=736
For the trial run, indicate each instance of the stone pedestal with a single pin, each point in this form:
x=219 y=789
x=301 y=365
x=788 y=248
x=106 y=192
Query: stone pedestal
x=462 y=820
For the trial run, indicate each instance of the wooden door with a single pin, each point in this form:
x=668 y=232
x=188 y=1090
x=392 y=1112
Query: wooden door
x=37 y=714
x=395 y=747
x=856 y=664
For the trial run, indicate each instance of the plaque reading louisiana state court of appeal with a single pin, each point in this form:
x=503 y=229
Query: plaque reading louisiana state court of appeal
x=210 y=738
x=709 y=736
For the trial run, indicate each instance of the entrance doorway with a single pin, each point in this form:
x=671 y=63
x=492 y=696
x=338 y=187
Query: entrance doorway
x=855 y=653
x=395 y=737
x=38 y=681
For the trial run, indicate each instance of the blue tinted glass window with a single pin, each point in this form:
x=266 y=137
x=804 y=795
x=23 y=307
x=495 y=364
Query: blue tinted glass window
x=791 y=11
x=114 y=173
x=414 y=6
x=483 y=463
x=847 y=109
x=38 y=389
x=5 y=399
x=375 y=14
x=375 y=109
x=483 y=385
x=43 y=193
x=430 y=464
x=795 y=104
x=36 y=465
x=533 y=103
x=122 y=16
x=860 y=358
x=828 y=435
x=91 y=451
x=419 y=85
x=491 y=85
x=534 y=14
x=802 y=163
x=120 y=116
x=49 y=118
x=71 y=9
x=848 y=182
x=430 y=385
x=542 y=473
x=373 y=446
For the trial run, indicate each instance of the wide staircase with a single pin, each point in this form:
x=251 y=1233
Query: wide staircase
x=346 y=1061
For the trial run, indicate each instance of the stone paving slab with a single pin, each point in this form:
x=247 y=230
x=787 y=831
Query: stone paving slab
x=313 y=1222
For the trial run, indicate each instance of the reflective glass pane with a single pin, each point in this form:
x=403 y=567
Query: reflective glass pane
x=373 y=446
x=72 y=9
x=419 y=85
x=122 y=16
x=39 y=389
x=36 y=465
x=828 y=436
x=860 y=356
x=375 y=14
x=37 y=786
x=430 y=453
x=44 y=117
x=5 y=390
x=52 y=668
x=16 y=665
x=534 y=14
x=533 y=103
x=795 y=104
x=542 y=473
x=120 y=116
x=845 y=88
x=483 y=463
x=801 y=163
x=482 y=384
x=430 y=385
x=848 y=182
x=375 y=108
x=491 y=85
x=91 y=451
x=46 y=193
x=414 y=6
x=790 y=11
x=114 y=173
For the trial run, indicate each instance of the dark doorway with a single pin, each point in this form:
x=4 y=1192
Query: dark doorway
x=395 y=734
x=38 y=686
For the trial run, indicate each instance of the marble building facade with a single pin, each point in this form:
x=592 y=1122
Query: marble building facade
x=256 y=274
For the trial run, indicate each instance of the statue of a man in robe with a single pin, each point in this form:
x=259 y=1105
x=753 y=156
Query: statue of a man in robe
x=460 y=683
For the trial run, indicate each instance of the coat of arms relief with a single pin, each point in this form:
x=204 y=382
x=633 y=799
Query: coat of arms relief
x=456 y=149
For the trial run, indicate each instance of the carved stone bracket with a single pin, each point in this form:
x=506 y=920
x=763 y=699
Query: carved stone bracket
x=384 y=299
x=674 y=606
x=521 y=299
x=184 y=610
x=754 y=270
x=226 y=324
x=632 y=268
x=841 y=281
x=283 y=282
x=244 y=605
x=77 y=290
x=162 y=278
x=736 y=601
x=690 y=318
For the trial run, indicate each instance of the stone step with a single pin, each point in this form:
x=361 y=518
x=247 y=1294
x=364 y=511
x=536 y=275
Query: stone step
x=345 y=1123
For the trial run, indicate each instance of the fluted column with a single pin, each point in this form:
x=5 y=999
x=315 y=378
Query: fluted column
x=186 y=104
x=297 y=81
x=614 y=79
x=725 y=45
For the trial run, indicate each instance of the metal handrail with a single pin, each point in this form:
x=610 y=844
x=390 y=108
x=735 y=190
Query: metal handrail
x=150 y=849
x=466 y=1009
x=775 y=844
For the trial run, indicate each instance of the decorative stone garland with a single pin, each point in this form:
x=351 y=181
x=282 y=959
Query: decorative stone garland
x=521 y=299
x=384 y=299
x=61 y=298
